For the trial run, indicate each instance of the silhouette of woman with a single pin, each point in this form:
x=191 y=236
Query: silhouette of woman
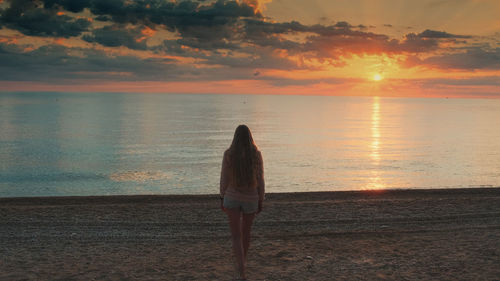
x=242 y=191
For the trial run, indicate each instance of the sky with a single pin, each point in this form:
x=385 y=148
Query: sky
x=402 y=48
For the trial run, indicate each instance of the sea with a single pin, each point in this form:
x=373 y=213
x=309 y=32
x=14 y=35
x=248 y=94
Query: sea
x=81 y=144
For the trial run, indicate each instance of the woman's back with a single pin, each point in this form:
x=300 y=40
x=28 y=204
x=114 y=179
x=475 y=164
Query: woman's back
x=236 y=187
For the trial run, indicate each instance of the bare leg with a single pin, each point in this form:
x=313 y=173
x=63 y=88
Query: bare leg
x=246 y=227
x=234 y=215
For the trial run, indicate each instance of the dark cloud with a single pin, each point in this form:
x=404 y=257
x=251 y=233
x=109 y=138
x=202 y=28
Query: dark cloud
x=31 y=18
x=261 y=58
x=74 y=6
x=471 y=59
x=41 y=17
x=102 y=18
x=118 y=35
x=207 y=26
x=208 y=44
x=325 y=41
x=474 y=81
x=255 y=28
x=182 y=16
x=56 y=63
x=255 y=57
x=343 y=24
x=334 y=42
x=413 y=43
x=439 y=34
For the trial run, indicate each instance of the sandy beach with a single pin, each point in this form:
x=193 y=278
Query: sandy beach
x=447 y=234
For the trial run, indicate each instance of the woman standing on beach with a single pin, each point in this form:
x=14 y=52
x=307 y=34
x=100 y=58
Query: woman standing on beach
x=242 y=190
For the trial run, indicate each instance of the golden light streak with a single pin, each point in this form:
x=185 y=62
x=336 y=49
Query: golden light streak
x=375 y=179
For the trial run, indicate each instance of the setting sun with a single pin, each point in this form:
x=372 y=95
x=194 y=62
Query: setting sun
x=377 y=77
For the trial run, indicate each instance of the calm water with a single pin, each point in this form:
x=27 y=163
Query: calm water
x=98 y=144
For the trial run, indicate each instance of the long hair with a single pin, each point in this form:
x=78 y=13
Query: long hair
x=243 y=153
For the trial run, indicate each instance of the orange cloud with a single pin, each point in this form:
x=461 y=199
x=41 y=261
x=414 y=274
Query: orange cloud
x=147 y=33
x=257 y=5
x=63 y=42
x=8 y=39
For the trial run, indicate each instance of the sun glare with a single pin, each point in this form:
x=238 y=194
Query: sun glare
x=377 y=77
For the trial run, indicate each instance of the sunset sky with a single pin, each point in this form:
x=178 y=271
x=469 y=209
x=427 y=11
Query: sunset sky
x=426 y=48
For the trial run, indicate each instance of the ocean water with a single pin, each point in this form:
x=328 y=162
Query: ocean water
x=59 y=144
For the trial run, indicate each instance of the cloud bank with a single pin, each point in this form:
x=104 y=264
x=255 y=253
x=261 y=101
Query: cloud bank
x=56 y=41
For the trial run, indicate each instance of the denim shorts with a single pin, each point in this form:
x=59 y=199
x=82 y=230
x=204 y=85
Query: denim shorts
x=246 y=207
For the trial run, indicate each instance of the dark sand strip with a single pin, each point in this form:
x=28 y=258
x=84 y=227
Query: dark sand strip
x=447 y=234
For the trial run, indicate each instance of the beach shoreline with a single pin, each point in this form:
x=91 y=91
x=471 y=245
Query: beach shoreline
x=338 y=194
x=410 y=234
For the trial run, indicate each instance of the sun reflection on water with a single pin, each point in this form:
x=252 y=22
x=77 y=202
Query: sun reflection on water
x=375 y=181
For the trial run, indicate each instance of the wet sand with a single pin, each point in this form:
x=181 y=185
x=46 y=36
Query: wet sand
x=448 y=234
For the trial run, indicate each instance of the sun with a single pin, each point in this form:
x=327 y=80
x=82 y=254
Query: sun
x=377 y=77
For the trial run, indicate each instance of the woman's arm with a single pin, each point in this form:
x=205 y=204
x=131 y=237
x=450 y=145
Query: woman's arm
x=224 y=174
x=261 y=185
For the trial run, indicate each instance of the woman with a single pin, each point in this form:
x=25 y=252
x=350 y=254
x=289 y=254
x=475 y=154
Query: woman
x=242 y=191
